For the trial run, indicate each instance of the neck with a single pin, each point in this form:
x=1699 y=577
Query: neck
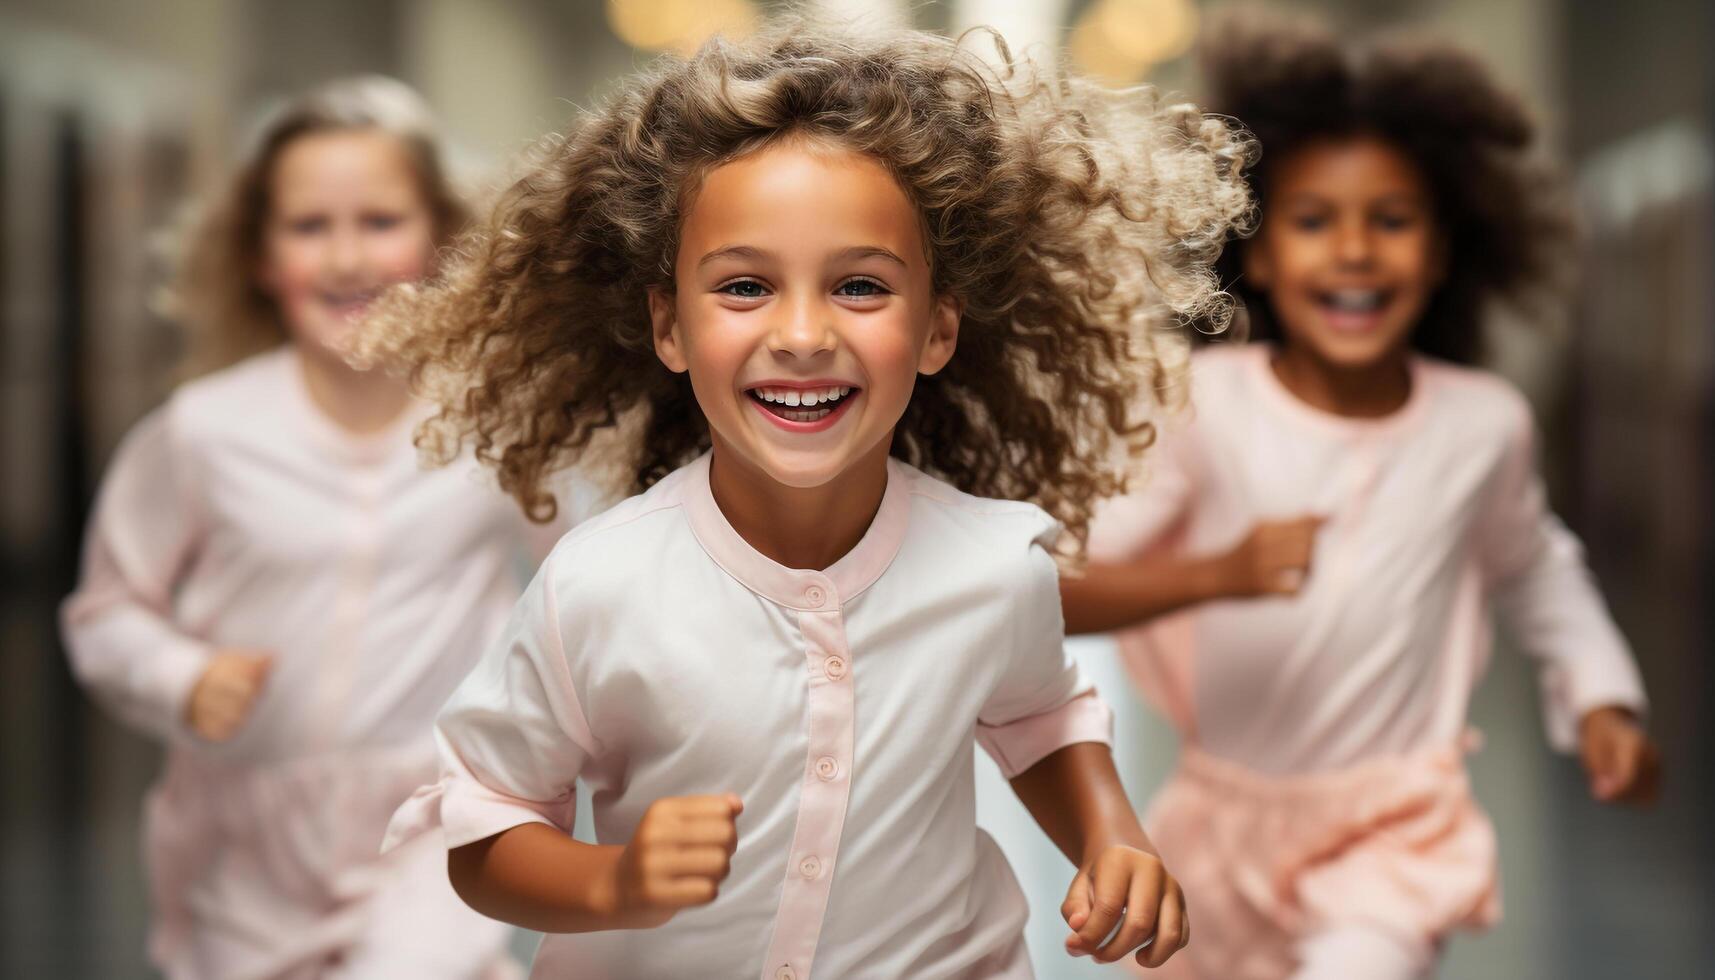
x=799 y=527
x=1370 y=391
x=358 y=401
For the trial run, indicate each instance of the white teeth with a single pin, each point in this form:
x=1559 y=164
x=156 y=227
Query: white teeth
x=1356 y=300
x=794 y=397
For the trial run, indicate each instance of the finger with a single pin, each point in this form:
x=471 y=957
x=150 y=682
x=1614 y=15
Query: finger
x=1143 y=900
x=1076 y=908
x=1108 y=886
x=1645 y=775
x=722 y=834
x=1603 y=770
x=678 y=893
x=705 y=807
x=1288 y=581
x=1172 y=929
x=698 y=862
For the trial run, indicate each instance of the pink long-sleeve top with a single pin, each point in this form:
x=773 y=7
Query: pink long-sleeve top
x=657 y=654
x=1435 y=517
x=238 y=515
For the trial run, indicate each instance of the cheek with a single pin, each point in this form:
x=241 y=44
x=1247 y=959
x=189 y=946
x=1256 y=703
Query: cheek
x=1413 y=259
x=888 y=349
x=292 y=269
x=404 y=253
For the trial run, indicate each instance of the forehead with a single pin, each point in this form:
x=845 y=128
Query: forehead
x=1348 y=166
x=801 y=197
x=342 y=163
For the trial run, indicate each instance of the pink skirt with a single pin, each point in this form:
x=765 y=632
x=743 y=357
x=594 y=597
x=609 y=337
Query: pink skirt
x=1396 y=845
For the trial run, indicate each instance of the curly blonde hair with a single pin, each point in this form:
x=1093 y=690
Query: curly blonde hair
x=214 y=290
x=1075 y=223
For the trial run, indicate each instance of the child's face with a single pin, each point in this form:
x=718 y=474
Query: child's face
x=346 y=219
x=1348 y=252
x=802 y=309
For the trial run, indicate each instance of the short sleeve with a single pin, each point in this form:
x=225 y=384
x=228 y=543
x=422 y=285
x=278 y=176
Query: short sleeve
x=513 y=737
x=1546 y=597
x=1042 y=702
x=124 y=646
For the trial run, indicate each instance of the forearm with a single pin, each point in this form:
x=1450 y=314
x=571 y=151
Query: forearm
x=1076 y=797
x=537 y=877
x=1109 y=597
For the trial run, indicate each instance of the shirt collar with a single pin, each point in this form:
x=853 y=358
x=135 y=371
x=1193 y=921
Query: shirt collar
x=796 y=588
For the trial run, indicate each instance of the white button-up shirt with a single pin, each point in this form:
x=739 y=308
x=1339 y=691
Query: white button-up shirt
x=657 y=654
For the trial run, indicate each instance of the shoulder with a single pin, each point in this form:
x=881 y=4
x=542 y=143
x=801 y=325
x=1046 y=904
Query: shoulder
x=1225 y=367
x=1477 y=402
x=1005 y=538
x=233 y=399
x=597 y=558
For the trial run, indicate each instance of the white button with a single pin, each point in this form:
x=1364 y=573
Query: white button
x=815 y=596
x=810 y=867
x=785 y=973
x=834 y=667
x=827 y=768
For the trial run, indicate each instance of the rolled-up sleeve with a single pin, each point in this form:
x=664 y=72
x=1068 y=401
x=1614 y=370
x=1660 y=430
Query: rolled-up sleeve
x=512 y=738
x=1547 y=600
x=1043 y=702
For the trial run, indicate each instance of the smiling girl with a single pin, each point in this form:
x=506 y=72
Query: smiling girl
x=1384 y=496
x=273 y=586
x=824 y=299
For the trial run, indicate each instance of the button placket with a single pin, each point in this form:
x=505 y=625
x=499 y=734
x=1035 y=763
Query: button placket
x=811 y=862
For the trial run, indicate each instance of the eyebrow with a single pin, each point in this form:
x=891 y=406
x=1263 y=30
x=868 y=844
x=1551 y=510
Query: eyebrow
x=754 y=253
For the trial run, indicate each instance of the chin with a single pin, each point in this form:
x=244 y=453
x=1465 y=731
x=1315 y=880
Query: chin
x=803 y=474
x=1357 y=353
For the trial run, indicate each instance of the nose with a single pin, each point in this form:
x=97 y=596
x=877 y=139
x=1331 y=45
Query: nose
x=346 y=252
x=1354 y=246
x=804 y=330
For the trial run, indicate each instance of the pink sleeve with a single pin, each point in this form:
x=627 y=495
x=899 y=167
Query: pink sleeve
x=512 y=738
x=1124 y=528
x=1043 y=702
x=118 y=625
x=1546 y=598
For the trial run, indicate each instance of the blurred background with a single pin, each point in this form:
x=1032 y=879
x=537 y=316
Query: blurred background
x=113 y=113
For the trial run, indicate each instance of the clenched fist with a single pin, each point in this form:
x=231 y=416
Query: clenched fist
x=678 y=857
x=225 y=694
x=1273 y=559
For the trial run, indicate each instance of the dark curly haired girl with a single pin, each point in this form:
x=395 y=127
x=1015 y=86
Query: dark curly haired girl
x=1320 y=815
x=822 y=298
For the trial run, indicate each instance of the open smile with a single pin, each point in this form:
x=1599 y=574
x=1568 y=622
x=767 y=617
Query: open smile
x=1354 y=310
x=803 y=407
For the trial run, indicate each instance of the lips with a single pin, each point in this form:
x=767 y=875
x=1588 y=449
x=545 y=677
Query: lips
x=803 y=407
x=1354 y=310
x=348 y=304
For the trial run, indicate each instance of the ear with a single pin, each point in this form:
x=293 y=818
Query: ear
x=943 y=335
x=664 y=324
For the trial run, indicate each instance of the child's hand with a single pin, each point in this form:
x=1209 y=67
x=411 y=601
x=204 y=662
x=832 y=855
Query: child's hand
x=224 y=695
x=1624 y=765
x=1273 y=559
x=678 y=857
x=1129 y=888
